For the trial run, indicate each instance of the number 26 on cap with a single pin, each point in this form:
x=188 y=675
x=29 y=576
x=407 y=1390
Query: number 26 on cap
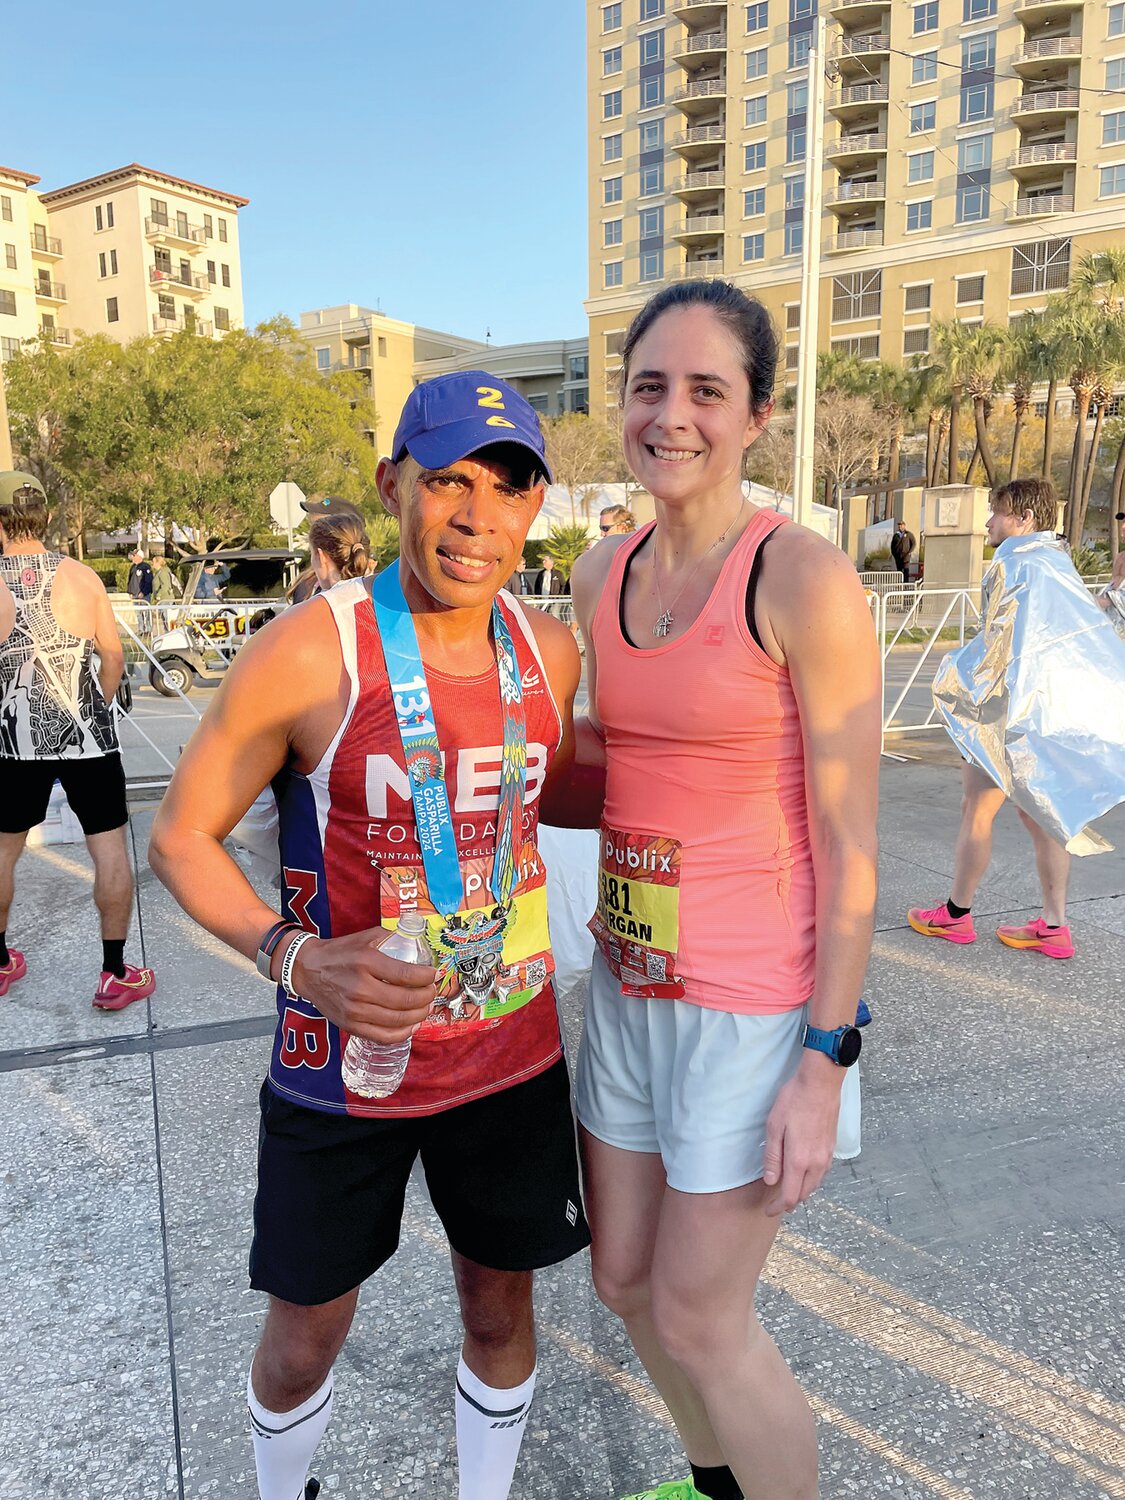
x=492 y=398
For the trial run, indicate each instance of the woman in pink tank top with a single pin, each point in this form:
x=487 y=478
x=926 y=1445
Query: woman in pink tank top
x=734 y=691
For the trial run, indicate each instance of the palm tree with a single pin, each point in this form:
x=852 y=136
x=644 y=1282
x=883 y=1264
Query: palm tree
x=983 y=354
x=1025 y=366
x=951 y=341
x=1100 y=278
x=897 y=392
x=1084 y=355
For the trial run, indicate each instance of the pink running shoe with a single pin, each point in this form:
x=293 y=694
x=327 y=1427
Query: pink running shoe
x=116 y=994
x=936 y=922
x=1055 y=942
x=14 y=969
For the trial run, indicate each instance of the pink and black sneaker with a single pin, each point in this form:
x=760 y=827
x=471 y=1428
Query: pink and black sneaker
x=14 y=969
x=116 y=994
x=1055 y=942
x=936 y=922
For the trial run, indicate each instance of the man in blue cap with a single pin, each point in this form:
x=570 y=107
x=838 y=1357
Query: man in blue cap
x=409 y=725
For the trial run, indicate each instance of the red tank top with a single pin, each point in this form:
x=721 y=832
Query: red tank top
x=351 y=860
x=706 y=888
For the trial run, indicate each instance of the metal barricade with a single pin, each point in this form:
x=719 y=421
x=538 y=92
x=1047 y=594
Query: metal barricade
x=929 y=618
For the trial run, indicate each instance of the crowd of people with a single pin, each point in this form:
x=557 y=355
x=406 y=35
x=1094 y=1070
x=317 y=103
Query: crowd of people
x=412 y=727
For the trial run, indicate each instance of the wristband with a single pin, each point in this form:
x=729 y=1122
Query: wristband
x=268 y=945
x=286 y=976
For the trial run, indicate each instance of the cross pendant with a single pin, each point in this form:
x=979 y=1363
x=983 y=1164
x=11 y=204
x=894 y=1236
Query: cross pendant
x=664 y=624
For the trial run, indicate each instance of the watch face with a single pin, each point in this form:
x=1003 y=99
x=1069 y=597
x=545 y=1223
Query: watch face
x=850 y=1046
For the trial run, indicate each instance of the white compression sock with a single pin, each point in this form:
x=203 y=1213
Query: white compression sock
x=490 y=1426
x=284 y=1442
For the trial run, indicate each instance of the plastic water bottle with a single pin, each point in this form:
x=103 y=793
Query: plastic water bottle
x=375 y=1069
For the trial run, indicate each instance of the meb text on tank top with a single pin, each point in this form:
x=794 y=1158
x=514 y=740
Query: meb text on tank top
x=351 y=860
x=705 y=835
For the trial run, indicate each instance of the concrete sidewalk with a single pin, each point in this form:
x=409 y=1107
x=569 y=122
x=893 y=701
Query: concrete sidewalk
x=951 y=1301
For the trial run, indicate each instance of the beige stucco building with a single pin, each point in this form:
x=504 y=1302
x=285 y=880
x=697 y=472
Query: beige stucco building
x=127 y=253
x=974 y=150
x=394 y=356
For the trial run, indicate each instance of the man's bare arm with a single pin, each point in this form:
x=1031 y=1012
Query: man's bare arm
x=107 y=641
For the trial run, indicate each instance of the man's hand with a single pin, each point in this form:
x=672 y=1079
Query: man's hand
x=352 y=982
x=801 y=1133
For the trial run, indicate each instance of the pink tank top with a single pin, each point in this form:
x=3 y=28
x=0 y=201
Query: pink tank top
x=705 y=889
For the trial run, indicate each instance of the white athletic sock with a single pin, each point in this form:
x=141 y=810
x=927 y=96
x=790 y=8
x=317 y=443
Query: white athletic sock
x=285 y=1441
x=490 y=1428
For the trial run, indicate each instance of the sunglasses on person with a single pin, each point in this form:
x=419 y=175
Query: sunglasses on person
x=604 y=529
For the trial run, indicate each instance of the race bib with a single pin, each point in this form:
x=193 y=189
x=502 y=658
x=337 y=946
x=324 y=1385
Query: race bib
x=637 y=922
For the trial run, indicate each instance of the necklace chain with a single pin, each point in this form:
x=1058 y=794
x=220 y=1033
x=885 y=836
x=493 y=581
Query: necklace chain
x=664 y=619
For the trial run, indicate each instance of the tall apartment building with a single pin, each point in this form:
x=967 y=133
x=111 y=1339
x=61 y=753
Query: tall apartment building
x=126 y=253
x=393 y=356
x=974 y=150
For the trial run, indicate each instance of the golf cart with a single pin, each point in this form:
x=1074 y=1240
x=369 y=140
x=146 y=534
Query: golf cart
x=203 y=635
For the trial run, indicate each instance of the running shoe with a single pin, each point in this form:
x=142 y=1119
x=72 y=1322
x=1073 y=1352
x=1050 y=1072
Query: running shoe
x=116 y=994
x=14 y=969
x=863 y=1014
x=1055 y=942
x=312 y=1489
x=936 y=922
x=678 y=1489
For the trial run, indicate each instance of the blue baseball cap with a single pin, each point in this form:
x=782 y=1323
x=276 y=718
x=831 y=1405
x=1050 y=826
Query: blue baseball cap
x=451 y=416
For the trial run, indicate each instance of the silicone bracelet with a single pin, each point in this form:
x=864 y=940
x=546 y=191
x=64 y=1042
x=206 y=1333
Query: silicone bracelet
x=288 y=961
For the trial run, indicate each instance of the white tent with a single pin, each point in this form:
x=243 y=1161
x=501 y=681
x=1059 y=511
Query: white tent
x=557 y=509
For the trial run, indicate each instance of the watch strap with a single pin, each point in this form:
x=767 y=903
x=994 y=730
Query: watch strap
x=268 y=945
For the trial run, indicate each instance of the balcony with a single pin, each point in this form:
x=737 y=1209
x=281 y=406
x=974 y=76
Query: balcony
x=1044 y=55
x=169 y=326
x=856 y=239
x=696 y=97
x=847 y=194
x=1041 y=206
x=853 y=54
x=858 y=12
x=50 y=291
x=1036 y=12
x=45 y=246
x=706 y=47
x=351 y=367
x=699 y=227
x=856 y=98
x=711 y=181
x=1032 y=161
x=1046 y=104
x=177 y=232
x=178 y=281
x=51 y=335
x=852 y=147
x=704 y=265
x=699 y=140
x=699 y=12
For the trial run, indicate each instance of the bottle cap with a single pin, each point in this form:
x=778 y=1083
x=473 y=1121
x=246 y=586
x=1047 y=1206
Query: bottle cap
x=412 y=923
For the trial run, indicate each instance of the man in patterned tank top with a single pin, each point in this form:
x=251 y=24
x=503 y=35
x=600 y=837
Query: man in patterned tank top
x=321 y=707
x=60 y=663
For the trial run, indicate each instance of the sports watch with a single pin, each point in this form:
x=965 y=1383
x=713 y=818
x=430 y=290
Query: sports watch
x=843 y=1045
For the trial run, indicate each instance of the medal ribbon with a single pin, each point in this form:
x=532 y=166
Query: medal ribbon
x=410 y=698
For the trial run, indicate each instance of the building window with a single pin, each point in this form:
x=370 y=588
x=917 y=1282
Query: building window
x=10 y=257
x=652 y=135
x=799 y=49
x=611 y=190
x=797 y=98
x=979 y=10
x=1116 y=20
x=801 y=10
x=8 y=303
x=651 y=223
x=111 y=309
x=920 y=167
x=611 y=61
x=756 y=110
x=612 y=231
x=863 y=345
x=925 y=17
x=225 y=269
x=857 y=296
x=917 y=298
x=208 y=226
x=923 y=67
x=159 y=210
x=794 y=192
x=753 y=247
x=976 y=103
x=792 y=356
x=978 y=53
x=794 y=239
x=5 y=208
x=614 y=273
x=1115 y=73
x=972 y=203
x=614 y=343
x=211 y=274
x=1043 y=266
x=99 y=217
x=756 y=66
x=222 y=318
x=652 y=91
x=381 y=347
x=923 y=117
x=611 y=17
x=974 y=154
x=652 y=179
x=916 y=341
x=324 y=359
x=611 y=106
x=652 y=265
x=970 y=289
x=757 y=16
x=165 y=306
x=1113 y=128
x=652 y=47
x=920 y=215
x=223 y=231
x=109 y=216
x=650 y=9
x=611 y=148
x=755 y=157
x=792 y=317
x=753 y=202
x=1112 y=181
x=107 y=263
x=9 y=348
x=796 y=142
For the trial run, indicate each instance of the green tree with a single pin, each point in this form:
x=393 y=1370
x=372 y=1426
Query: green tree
x=582 y=451
x=566 y=545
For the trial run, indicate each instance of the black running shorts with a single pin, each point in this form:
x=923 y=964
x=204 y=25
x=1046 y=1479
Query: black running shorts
x=94 y=787
x=502 y=1173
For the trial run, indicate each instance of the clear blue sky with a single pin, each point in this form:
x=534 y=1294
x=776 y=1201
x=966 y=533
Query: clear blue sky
x=422 y=156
